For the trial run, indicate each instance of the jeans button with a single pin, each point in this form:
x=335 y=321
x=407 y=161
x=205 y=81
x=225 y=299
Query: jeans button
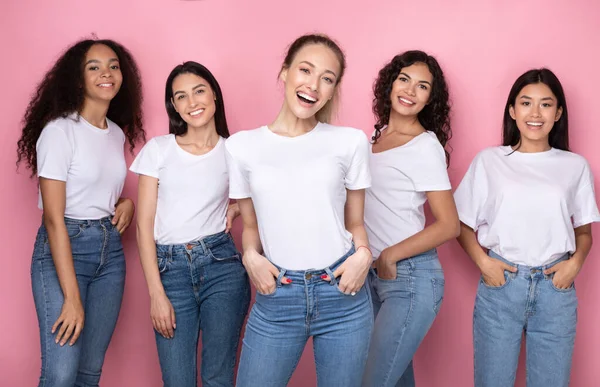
x=308 y=276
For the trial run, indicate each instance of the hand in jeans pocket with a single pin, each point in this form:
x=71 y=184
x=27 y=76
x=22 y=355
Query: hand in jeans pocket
x=492 y=271
x=262 y=272
x=564 y=273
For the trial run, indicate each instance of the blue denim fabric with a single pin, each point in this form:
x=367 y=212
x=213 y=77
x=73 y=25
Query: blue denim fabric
x=405 y=309
x=210 y=292
x=100 y=270
x=281 y=323
x=527 y=303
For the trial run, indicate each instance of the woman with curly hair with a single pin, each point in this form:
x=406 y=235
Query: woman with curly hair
x=73 y=141
x=408 y=167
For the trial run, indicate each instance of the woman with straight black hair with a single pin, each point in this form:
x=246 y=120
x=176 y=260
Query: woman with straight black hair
x=73 y=139
x=194 y=273
x=526 y=209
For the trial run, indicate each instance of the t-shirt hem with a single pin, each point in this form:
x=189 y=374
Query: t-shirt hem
x=356 y=187
x=425 y=188
x=239 y=195
x=586 y=221
x=468 y=222
x=144 y=172
x=52 y=177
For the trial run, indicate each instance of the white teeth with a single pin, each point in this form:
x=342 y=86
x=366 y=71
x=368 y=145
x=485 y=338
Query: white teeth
x=535 y=123
x=105 y=84
x=308 y=97
x=196 y=112
x=406 y=101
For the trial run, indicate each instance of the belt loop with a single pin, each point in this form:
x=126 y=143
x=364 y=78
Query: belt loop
x=204 y=248
x=279 y=277
x=332 y=279
x=170 y=252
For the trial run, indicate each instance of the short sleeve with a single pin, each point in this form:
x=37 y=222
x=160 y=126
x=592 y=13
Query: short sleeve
x=147 y=161
x=239 y=185
x=471 y=194
x=358 y=175
x=429 y=171
x=54 y=153
x=585 y=208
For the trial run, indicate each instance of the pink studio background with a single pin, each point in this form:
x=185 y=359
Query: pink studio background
x=482 y=46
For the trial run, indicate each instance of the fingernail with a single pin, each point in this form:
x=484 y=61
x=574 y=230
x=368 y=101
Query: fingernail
x=289 y=281
x=325 y=277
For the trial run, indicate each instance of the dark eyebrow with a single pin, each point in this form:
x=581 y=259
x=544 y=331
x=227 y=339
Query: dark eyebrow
x=97 y=61
x=543 y=99
x=193 y=88
x=408 y=76
x=313 y=66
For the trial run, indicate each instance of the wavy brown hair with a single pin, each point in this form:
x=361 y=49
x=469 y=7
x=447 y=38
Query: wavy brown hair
x=60 y=93
x=434 y=117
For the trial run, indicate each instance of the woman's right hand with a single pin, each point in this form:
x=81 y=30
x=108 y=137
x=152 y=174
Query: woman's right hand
x=262 y=272
x=492 y=270
x=70 y=321
x=163 y=315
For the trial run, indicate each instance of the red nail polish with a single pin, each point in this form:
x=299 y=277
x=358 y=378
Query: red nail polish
x=324 y=276
x=288 y=281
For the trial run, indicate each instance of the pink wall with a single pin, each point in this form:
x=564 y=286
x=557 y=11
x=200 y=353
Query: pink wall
x=482 y=45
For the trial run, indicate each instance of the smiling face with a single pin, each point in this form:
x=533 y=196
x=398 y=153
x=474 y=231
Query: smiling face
x=411 y=90
x=102 y=76
x=535 y=111
x=193 y=99
x=311 y=80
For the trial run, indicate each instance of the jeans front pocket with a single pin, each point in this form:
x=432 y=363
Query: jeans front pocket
x=438 y=292
x=224 y=250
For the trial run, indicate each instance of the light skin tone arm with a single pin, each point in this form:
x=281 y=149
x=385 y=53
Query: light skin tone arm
x=445 y=227
x=354 y=270
x=566 y=271
x=261 y=271
x=492 y=269
x=70 y=322
x=161 y=310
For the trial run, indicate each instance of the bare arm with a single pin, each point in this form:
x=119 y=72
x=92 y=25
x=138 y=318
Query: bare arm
x=161 y=310
x=261 y=271
x=71 y=318
x=445 y=227
x=566 y=271
x=491 y=269
x=354 y=270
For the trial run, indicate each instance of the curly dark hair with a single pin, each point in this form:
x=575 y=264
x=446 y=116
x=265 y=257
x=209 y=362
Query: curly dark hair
x=435 y=116
x=60 y=94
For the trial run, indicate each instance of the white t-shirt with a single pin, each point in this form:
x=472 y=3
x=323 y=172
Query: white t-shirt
x=525 y=206
x=401 y=177
x=298 y=187
x=192 y=190
x=90 y=160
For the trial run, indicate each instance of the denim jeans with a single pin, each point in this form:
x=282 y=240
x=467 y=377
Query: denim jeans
x=100 y=270
x=210 y=292
x=281 y=323
x=528 y=302
x=404 y=311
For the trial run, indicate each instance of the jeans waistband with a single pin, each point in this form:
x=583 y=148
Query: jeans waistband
x=313 y=275
x=201 y=245
x=529 y=269
x=423 y=257
x=87 y=222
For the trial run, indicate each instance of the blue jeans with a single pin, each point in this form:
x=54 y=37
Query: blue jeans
x=281 y=323
x=100 y=270
x=210 y=292
x=404 y=311
x=528 y=302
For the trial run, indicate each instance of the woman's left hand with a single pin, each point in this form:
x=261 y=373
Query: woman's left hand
x=564 y=273
x=233 y=211
x=353 y=271
x=124 y=211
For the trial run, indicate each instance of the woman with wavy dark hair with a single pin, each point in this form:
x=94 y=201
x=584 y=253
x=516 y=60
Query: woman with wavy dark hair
x=408 y=164
x=526 y=210
x=73 y=139
x=195 y=276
